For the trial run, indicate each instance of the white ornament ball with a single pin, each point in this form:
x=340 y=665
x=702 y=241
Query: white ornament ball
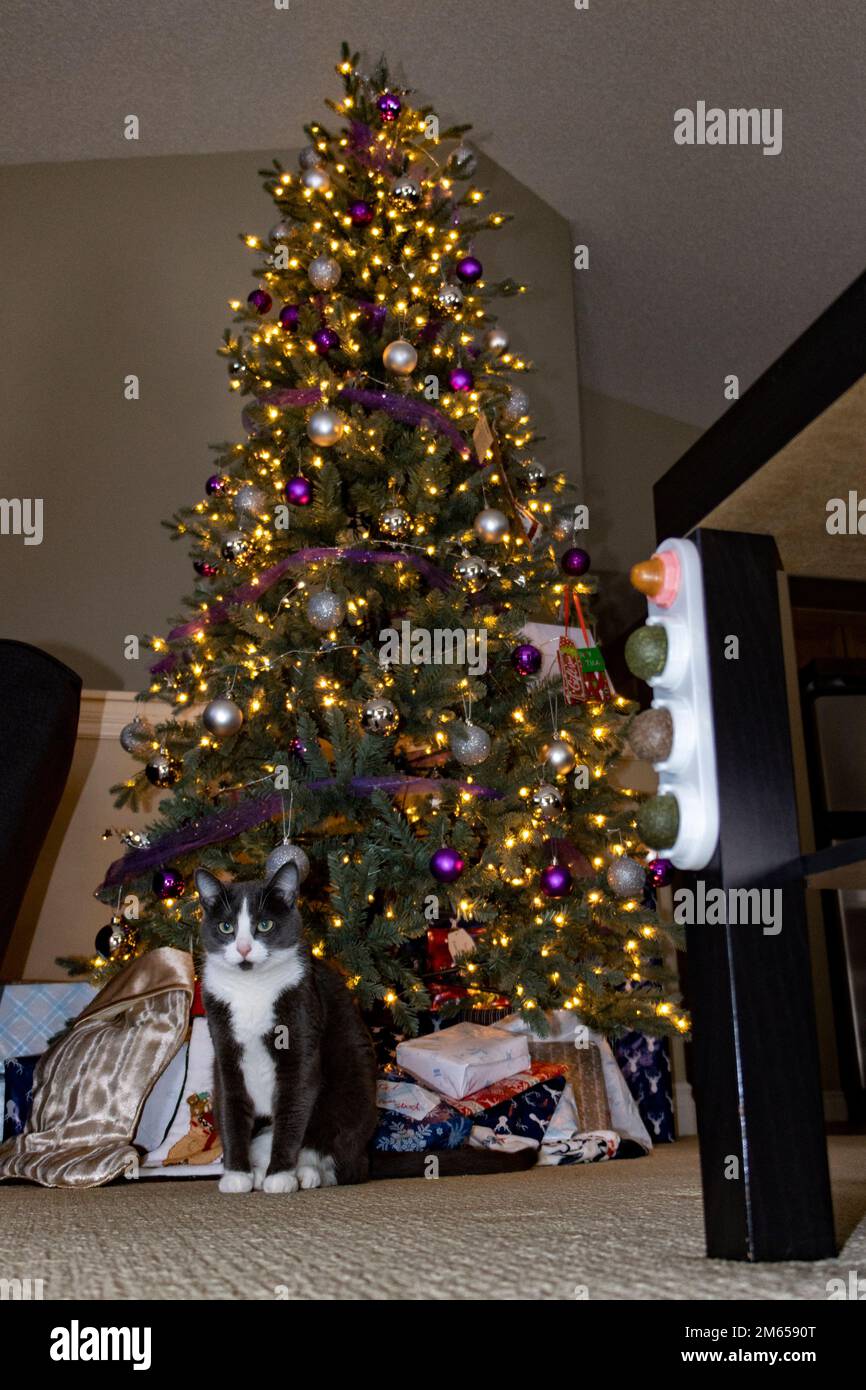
x=380 y=716
x=287 y=854
x=491 y=525
x=324 y=427
x=222 y=717
x=496 y=340
x=319 y=180
x=324 y=272
x=559 y=757
x=400 y=357
x=325 y=609
x=626 y=877
x=469 y=744
x=517 y=404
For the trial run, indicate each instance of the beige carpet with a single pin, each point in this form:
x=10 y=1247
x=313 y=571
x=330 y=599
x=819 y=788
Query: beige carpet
x=622 y=1230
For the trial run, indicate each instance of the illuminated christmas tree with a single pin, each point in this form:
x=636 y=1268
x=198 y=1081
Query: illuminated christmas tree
x=352 y=683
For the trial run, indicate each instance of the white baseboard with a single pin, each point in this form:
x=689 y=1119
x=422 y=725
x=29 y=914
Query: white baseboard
x=684 y=1109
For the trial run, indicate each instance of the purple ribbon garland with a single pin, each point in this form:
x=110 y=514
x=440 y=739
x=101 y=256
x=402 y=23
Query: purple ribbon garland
x=227 y=824
x=409 y=412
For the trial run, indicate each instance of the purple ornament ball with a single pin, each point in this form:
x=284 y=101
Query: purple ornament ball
x=469 y=269
x=215 y=485
x=460 y=379
x=555 y=881
x=168 y=883
x=389 y=106
x=205 y=569
x=446 y=865
x=299 y=491
x=574 y=561
x=259 y=300
x=289 y=315
x=326 y=340
x=661 y=871
x=526 y=659
x=361 y=213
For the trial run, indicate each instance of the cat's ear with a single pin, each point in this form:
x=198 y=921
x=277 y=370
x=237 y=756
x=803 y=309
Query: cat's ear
x=210 y=890
x=283 y=885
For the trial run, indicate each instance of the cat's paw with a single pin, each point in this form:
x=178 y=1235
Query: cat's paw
x=259 y=1178
x=281 y=1182
x=236 y=1182
x=309 y=1175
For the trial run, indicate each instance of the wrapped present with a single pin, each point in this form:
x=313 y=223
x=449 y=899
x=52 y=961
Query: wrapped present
x=645 y=1063
x=18 y=1094
x=445 y=945
x=443 y=1128
x=32 y=1014
x=564 y=1143
x=584 y=1072
x=501 y=1092
x=405 y=1097
x=457 y=1061
x=527 y=1114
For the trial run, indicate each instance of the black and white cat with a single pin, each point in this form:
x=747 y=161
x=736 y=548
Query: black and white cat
x=294 y=1070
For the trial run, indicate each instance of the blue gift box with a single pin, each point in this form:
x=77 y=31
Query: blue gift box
x=527 y=1114
x=443 y=1128
x=18 y=1098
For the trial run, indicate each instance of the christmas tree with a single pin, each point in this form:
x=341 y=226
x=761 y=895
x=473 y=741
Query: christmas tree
x=351 y=682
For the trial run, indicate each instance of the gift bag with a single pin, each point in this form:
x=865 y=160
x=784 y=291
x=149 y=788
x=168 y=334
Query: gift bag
x=584 y=678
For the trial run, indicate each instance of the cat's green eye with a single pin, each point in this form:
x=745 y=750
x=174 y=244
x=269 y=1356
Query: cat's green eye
x=226 y=928
x=266 y=925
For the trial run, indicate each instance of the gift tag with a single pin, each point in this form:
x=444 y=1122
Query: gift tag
x=482 y=438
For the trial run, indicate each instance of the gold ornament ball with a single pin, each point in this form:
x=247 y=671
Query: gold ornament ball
x=559 y=757
x=316 y=179
x=400 y=357
x=324 y=427
x=491 y=526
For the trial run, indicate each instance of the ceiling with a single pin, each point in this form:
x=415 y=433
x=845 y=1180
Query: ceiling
x=703 y=261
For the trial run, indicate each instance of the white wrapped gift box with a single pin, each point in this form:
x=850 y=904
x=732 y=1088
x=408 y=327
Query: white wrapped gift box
x=457 y=1061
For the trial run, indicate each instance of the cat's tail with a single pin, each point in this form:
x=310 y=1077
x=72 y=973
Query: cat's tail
x=449 y=1163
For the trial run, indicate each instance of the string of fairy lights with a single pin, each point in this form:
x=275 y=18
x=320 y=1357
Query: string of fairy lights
x=373 y=240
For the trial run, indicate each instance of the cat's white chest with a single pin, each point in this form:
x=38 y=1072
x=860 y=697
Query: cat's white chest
x=251 y=997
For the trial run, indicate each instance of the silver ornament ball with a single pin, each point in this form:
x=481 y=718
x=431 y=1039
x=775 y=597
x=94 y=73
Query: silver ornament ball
x=472 y=572
x=406 y=192
x=547 y=800
x=400 y=357
x=310 y=157
x=395 y=523
x=324 y=272
x=496 y=340
x=517 y=404
x=222 y=717
x=316 y=179
x=325 y=609
x=233 y=546
x=559 y=757
x=287 y=854
x=533 y=475
x=462 y=162
x=282 y=230
x=136 y=736
x=449 y=298
x=249 y=502
x=491 y=525
x=324 y=427
x=626 y=877
x=380 y=716
x=469 y=744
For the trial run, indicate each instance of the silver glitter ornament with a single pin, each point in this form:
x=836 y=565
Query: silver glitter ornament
x=491 y=525
x=134 y=839
x=472 y=572
x=324 y=427
x=310 y=157
x=379 y=716
x=395 y=523
x=449 y=298
x=282 y=230
x=469 y=744
x=400 y=357
x=222 y=717
x=496 y=340
x=163 y=770
x=562 y=527
x=316 y=179
x=233 y=546
x=626 y=877
x=324 y=272
x=517 y=404
x=559 y=757
x=406 y=192
x=136 y=736
x=462 y=162
x=533 y=475
x=325 y=609
x=547 y=800
x=249 y=503
x=287 y=854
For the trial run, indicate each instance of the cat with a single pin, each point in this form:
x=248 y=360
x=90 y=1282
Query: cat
x=294 y=1064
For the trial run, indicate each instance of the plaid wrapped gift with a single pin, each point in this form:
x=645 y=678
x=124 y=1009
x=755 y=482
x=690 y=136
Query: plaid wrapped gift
x=30 y=1015
x=489 y=1097
x=582 y=1068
